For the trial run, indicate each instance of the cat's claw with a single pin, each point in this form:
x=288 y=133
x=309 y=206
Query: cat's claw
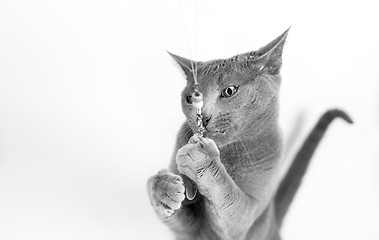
x=166 y=192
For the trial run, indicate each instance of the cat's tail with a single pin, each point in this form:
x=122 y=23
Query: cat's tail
x=291 y=181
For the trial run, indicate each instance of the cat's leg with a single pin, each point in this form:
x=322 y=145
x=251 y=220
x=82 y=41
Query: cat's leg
x=166 y=193
x=231 y=211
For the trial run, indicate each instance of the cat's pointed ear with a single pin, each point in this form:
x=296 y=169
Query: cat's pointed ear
x=270 y=56
x=185 y=64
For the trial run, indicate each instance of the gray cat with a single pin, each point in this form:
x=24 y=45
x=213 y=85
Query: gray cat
x=235 y=165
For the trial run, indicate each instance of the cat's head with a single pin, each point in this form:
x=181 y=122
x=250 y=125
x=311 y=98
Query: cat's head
x=240 y=93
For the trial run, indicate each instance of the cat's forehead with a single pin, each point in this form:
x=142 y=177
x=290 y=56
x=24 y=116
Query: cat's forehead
x=225 y=71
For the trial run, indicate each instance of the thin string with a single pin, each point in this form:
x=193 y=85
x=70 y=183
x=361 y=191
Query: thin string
x=193 y=66
x=196 y=33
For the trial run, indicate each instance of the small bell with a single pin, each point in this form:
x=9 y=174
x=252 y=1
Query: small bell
x=197 y=99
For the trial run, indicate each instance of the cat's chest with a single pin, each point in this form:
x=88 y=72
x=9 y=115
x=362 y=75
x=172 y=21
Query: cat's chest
x=250 y=168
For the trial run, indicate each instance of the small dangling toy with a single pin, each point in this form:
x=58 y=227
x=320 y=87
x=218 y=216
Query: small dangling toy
x=197 y=102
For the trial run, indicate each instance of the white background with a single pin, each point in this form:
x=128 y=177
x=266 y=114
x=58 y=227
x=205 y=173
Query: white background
x=90 y=106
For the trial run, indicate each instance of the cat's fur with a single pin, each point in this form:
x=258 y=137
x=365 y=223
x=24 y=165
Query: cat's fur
x=235 y=166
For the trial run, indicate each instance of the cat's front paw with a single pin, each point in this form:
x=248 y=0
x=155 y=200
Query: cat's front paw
x=166 y=192
x=200 y=161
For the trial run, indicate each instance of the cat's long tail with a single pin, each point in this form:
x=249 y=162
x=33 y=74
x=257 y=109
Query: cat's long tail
x=291 y=181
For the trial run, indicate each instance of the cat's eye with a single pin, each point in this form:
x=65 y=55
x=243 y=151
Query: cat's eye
x=189 y=99
x=229 y=91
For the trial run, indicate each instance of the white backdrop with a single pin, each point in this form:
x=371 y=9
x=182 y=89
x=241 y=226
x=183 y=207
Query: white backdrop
x=90 y=105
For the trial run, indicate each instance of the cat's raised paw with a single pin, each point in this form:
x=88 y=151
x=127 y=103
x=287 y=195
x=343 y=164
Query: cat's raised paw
x=166 y=192
x=200 y=161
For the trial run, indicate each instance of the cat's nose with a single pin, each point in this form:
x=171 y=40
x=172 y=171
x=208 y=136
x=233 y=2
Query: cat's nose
x=206 y=120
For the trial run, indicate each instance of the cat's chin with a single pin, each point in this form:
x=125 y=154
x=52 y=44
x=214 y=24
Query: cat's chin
x=219 y=137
